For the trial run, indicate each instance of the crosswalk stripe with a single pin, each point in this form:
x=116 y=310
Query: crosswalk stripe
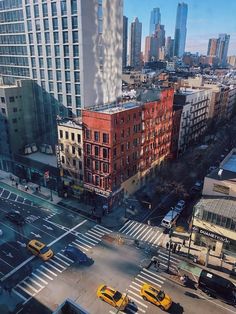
x=39 y=271
x=144 y=237
x=153 y=278
x=137 y=295
x=23 y=288
x=56 y=263
x=104 y=228
x=93 y=236
x=153 y=274
x=51 y=272
x=35 y=282
x=153 y=238
x=129 y=225
x=19 y=294
x=86 y=245
x=67 y=258
x=166 y=258
x=30 y=286
x=127 y=222
x=137 y=284
x=140 y=276
x=95 y=233
x=99 y=232
x=39 y=278
x=131 y=229
x=162 y=253
x=142 y=232
x=141 y=303
x=160 y=235
x=54 y=267
x=60 y=259
x=80 y=246
x=138 y=230
x=86 y=237
x=137 y=289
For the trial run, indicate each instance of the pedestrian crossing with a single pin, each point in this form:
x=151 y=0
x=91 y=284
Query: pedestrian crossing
x=142 y=232
x=10 y=196
x=163 y=257
x=49 y=270
x=137 y=304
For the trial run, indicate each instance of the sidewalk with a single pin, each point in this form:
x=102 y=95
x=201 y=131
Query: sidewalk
x=46 y=198
x=215 y=264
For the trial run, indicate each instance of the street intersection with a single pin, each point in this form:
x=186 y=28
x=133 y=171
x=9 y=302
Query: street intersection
x=122 y=265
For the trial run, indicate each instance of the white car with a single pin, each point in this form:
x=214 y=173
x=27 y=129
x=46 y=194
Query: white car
x=179 y=206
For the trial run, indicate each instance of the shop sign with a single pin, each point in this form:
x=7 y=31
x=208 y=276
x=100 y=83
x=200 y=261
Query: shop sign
x=212 y=235
x=97 y=191
x=221 y=189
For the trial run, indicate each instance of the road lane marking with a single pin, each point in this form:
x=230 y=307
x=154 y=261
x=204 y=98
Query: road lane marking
x=137 y=295
x=14 y=230
x=127 y=222
x=137 y=284
x=142 y=232
x=67 y=258
x=80 y=246
x=6 y=263
x=132 y=298
x=30 y=286
x=19 y=295
x=138 y=231
x=160 y=235
x=41 y=272
x=62 y=266
x=44 y=281
x=48 y=270
x=35 y=282
x=153 y=278
x=147 y=279
x=148 y=271
x=24 y=289
x=96 y=234
x=54 y=267
x=60 y=259
x=84 y=236
x=92 y=236
x=145 y=238
x=137 y=289
x=129 y=225
x=89 y=246
x=133 y=227
x=162 y=253
x=104 y=228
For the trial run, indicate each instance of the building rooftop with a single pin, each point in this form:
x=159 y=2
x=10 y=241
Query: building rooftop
x=77 y=124
x=221 y=206
x=114 y=108
x=50 y=160
x=230 y=164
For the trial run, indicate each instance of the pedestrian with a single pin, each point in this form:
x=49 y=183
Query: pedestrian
x=174 y=247
x=171 y=246
x=157 y=264
x=183 y=242
x=17 y=185
x=167 y=245
x=178 y=248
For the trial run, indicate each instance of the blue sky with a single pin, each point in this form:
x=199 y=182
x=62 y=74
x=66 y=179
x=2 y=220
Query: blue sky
x=206 y=19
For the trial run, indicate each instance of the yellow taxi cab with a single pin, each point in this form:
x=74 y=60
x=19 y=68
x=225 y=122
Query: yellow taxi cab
x=156 y=296
x=40 y=249
x=113 y=297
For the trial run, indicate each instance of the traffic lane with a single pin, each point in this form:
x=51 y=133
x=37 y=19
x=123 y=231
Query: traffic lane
x=67 y=219
x=186 y=300
x=4 y=267
x=13 y=254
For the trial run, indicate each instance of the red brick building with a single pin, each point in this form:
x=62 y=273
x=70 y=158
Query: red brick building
x=123 y=142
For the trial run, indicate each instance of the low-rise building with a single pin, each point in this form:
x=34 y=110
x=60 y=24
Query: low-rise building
x=70 y=153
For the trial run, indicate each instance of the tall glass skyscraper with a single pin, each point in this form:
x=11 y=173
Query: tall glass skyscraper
x=222 y=48
x=135 y=43
x=125 y=41
x=180 y=29
x=155 y=19
x=71 y=49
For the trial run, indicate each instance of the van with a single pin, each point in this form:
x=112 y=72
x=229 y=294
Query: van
x=217 y=286
x=169 y=219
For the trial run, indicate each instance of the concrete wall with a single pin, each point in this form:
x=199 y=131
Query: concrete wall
x=211 y=186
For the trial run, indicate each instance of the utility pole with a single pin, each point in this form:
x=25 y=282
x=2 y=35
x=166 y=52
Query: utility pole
x=190 y=237
x=170 y=235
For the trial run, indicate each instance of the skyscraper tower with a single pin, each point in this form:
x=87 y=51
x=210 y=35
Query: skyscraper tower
x=212 y=47
x=71 y=49
x=180 y=29
x=125 y=39
x=135 y=43
x=222 y=48
x=155 y=19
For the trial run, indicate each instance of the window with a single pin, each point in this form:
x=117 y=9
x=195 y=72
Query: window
x=63 y=159
x=105 y=138
x=78 y=102
x=78 y=138
x=46 y=24
x=47 y=38
x=31 y=38
x=74 y=162
x=67 y=135
x=72 y=136
x=58 y=63
x=65 y=37
x=45 y=9
x=79 y=152
x=40 y=51
x=105 y=153
x=62 y=146
x=97 y=166
x=97 y=182
x=42 y=75
x=67 y=76
x=68 y=88
x=75 y=37
x=63 y=7
x=39 y=38
x=64 y=23
x=56 y=37
x=73 y=6
x=37 y=25
x=51 y=86
x=76 y=51
x=55 y=23
x=2 y=99
x=88 y=149
x=12 y=99
x=29 y=25
x=48 y=50
x=50 y=76
x=66 y=51
x=59 y=87
x=74 y=22
x=28 y=14
x=76 y=64
x=96 y=151
x=57 y=50
x=68 y=100
x=41 y=63
x=96 y=136
x=61 y=134
x=114 y=152
x=15 y=109
x=73 y=149
x=87 y=134
x=105 y=167
x=54 y=8
x=67 y=63
x=77 y=76
x=49 y=63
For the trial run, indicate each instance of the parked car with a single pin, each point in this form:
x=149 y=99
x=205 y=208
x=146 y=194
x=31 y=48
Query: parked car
x=77 y=255
x=113 y=297
x=40 y=249
x=179 y=206
x=15 y=217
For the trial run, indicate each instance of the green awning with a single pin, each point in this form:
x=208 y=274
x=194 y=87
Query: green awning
x=195 y=270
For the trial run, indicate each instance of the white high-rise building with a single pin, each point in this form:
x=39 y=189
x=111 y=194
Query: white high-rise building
x=72 y=49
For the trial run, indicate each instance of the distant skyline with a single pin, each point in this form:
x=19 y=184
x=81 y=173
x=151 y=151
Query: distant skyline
x=206 y=19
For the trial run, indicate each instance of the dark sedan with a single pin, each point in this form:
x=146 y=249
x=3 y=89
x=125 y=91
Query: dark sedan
x=16 y=218
x=77 y=255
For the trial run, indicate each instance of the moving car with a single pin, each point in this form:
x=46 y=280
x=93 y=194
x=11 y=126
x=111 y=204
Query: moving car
x=40 y=249
x=77 y=255
x=156 y=296
x=217 y=286
x=113 y=297
x=15 y=217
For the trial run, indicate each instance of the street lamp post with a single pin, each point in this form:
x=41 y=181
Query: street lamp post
x=190 y=237
x=169 y=252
